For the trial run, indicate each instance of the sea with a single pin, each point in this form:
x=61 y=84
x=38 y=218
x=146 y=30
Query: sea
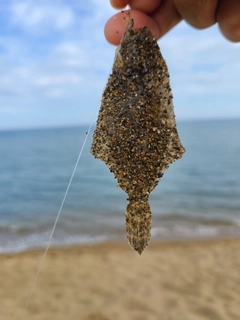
x=198 y=196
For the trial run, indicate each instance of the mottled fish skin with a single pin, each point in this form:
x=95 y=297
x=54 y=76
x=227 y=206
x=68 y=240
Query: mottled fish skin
x=136 y=133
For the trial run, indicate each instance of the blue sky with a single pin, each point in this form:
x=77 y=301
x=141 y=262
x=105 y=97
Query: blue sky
x=55 y=61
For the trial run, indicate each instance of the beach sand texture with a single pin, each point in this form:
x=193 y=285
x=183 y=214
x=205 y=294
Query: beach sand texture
x=191 y=280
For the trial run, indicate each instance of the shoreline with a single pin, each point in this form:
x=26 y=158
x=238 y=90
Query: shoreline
x=177 y=280
x=121 y=242
x=15 y=239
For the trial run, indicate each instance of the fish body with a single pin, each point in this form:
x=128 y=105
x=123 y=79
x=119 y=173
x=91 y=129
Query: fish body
x=136 y=134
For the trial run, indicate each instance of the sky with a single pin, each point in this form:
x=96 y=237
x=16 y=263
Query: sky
x=55 y=62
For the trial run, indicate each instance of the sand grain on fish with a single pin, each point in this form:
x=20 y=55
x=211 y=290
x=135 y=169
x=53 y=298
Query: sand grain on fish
x=136 y=134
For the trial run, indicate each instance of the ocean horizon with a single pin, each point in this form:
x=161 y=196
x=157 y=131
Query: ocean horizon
x=198 y=196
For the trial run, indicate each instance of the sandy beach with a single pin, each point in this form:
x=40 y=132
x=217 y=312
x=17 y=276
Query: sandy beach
x=191 y=280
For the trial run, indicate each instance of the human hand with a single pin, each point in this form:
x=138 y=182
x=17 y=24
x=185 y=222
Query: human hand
x=162 y=15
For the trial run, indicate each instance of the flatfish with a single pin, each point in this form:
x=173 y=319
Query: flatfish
x=136 y=134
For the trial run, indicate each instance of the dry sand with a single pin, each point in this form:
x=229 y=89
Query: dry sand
x=170 y=281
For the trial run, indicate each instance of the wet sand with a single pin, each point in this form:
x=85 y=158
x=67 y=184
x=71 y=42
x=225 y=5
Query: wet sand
x=191 y=280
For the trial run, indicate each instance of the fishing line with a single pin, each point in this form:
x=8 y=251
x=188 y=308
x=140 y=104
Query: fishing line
x=40 y=265
x=58 y=216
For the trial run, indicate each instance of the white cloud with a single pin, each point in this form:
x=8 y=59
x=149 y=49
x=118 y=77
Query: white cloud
x=201 y=62
x=53 y=56
x=72 y=54
x=29 y=14
x=56 y=80
x=56 y=93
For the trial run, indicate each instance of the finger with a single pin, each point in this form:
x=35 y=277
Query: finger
x=116 y=25
x=228 y=17
x=119 y=4
x=199 y=13
x=159 y=22
x=145 y=5
x=166 y=17
x=141 y=5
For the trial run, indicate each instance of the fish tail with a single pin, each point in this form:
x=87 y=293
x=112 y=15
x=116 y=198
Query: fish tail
x=138 y=224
